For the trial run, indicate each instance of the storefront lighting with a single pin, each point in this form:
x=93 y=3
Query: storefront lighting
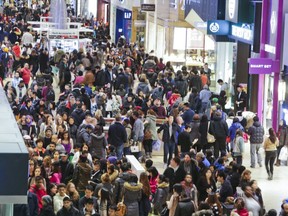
x=282 y=90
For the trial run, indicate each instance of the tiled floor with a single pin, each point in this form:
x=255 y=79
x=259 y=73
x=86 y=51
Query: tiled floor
x=273 y=191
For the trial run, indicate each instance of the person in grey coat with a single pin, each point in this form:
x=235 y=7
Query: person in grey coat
x=132 y=194
x=98 y=142
x=138 y=127
x=161 y=194
x=256 y=132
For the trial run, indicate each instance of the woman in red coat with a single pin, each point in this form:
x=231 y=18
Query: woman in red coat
x=26 y=74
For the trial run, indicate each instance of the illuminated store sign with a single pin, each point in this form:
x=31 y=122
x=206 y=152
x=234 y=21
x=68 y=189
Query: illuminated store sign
x=262 y=66
x=242 y=33
x=218 y=27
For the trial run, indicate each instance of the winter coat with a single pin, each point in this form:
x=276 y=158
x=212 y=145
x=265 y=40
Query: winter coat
x=188 y=116
x=174 y=176
x=143 y=86
x=166 y=136
x=26 y=75
x=82 y=175
x=256 y=132
x=47 y=211
x=195 y=134
x=128 y=129
x=78 y=116
x=119 y=183
x=283 y=136
x=185 y=207
x=144 y=205
x=151 y=125
x=39 y=193
x=98 y=145
x=182 y=86
x=83 y=136
x=218 y=127
x=132 y=194
x=121 y=79
x=58 y=202
x=232 y=130
x=71 y=212
x=138 y=130
x=117 y=135
x=161 y=196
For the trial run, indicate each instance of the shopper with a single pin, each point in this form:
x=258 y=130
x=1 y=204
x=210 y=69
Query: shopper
x=256 y=132
x=270 y=146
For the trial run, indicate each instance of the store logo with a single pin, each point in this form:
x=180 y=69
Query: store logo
x=231 y=8
x=214 y=27
x=273 y=22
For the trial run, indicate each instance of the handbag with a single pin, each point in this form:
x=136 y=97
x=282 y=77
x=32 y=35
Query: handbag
x=210 y=137
x=121 y=209
x=165 y=211
x=134 y=148
x=156 y=145
x=245 y=137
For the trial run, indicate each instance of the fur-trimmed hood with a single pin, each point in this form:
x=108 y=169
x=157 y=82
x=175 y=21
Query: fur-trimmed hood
x=133 y=186
x=206 y=212
x=163 y=185
x=113 y=176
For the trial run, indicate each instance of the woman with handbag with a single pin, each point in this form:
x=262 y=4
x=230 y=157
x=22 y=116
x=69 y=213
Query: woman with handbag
x=238 y=148
x=270 y=146
x=150 y=126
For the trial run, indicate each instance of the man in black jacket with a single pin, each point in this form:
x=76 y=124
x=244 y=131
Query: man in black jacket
x=174 y=173
x=226 y=188
x=169 y=138
x=184 y=141
x=68 y=209
x=117 y=136
x=67 y=168
x=219 y=129
x=189 y=165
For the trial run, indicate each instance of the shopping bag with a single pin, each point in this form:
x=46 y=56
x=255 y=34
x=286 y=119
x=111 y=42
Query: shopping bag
x=210 y=138
x=156 y=145
x=283 y=156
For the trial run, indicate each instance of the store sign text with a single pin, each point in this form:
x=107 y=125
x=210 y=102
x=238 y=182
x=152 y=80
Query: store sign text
x=262 y=66
x=242 y=33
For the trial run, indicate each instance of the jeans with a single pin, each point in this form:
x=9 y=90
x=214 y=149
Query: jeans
x=203 y=107
x=254 y=149
x=126 y=151
x=119 y=151
x=270 y=157
x=168 y=149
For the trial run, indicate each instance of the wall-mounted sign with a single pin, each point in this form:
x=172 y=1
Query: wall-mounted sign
x=242 y=32
x=147 y=7
x=218 y=27
x=128 y=15
x=231 y=12
x=262 y=66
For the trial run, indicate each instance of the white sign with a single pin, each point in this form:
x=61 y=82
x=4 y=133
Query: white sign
x=214 y=27
x=273 y=22
x=232 y=8
x=270 y=49
x=243 y=33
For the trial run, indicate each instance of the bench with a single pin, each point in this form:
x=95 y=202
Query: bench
x=137 y=168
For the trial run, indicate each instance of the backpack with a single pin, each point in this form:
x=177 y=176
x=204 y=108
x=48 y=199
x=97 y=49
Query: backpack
x=50 y=95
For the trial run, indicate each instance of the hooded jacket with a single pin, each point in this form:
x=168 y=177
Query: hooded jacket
x=219 y=127
x=98 y=145
x=117 y=192
x=143 y=86
x=132 y=195
x=256 y=132
x=161 y=196
x=234 y=127
x=151 y=125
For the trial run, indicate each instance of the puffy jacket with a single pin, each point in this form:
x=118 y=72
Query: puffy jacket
x=117 y=192
x=161 y=196
x=256 y=132
x=143 y=86
x=78 y=116
x=234 y=127
x=81 y=175
x=83 y=136
x=182 y=86
x=219 y=127
x=98 y=145
x=185 y=208
x=132 y=195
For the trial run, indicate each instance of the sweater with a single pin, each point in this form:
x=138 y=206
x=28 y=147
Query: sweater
x=269 y=145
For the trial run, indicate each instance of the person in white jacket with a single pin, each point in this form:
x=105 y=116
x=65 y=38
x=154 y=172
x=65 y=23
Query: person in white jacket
x=58 y=198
